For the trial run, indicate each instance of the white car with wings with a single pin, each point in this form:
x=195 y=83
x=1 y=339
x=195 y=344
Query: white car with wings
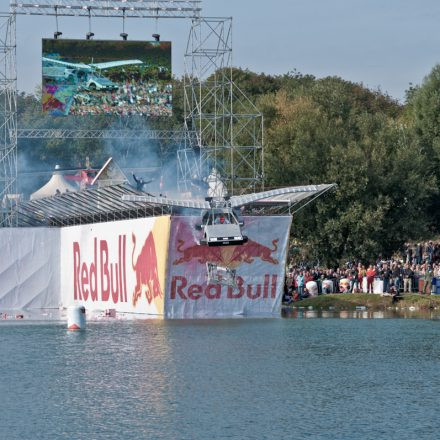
x=219 y=224
x=86 y=76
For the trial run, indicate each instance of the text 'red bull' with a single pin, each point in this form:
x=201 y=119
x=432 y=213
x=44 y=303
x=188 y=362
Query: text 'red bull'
x=181 y=290
x=101 y=278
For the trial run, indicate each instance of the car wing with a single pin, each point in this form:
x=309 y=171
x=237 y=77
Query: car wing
x=110 y=64
x=281 y=196
x=78 y=66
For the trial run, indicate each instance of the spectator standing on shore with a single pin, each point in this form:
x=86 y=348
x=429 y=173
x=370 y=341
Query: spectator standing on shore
x=300 y=284
x=386 y=274
x=396 y=276
x=407 y=279
x=361 y=274
x=430 y=252
x=428 y=280
x=417 y=276
x=371 y=273
x=408 y=252
x=354 y=280
x=419 y=253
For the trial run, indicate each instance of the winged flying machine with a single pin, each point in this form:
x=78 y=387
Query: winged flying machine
x=220 y=224
x=85 y=76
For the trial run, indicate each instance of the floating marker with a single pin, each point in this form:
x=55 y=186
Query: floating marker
x=76 y=318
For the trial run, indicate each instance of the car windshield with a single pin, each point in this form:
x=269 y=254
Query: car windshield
x=220 y=218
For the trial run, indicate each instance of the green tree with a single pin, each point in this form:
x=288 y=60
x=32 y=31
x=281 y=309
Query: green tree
x=332 y=131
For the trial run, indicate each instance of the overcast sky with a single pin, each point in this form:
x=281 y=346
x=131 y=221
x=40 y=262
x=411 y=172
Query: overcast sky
x=384 y=44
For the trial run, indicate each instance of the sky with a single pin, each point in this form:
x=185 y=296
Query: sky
x=383 y=44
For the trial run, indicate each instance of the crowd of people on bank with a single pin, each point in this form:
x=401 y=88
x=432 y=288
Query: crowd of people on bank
x=413 y=270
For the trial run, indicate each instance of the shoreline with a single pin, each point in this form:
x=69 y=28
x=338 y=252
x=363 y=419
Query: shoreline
x=369 y=301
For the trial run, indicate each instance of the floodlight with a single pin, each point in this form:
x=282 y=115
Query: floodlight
x=89 y=35
x=57 y=34
x=124 y=35
x=156 y=37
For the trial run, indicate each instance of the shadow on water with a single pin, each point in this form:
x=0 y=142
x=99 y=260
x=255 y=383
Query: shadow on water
x=361 y=313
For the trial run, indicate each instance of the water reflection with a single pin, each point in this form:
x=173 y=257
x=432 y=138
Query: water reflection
x=391 y=312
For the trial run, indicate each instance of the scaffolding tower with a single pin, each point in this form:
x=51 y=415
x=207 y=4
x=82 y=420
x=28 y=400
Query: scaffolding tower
x=228 y=127
x=8 y=119
x=222 y=130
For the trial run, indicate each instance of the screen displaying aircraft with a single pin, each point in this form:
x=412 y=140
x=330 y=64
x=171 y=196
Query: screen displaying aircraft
x=106 y=77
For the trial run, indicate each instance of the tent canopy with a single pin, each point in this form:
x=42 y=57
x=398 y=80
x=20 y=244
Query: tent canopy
x=57 y=185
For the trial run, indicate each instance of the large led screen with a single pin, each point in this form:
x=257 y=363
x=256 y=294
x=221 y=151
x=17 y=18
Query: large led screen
x=95 y=77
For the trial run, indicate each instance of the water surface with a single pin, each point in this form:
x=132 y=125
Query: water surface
x=224 y=379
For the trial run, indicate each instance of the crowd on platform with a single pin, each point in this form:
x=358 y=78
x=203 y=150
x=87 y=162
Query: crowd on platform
x=415 y=269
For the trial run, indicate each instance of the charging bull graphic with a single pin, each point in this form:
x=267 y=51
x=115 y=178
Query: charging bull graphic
x=147 y=277
x=227 y=256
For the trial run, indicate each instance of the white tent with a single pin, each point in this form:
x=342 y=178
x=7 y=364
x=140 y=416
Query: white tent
x=56 y=185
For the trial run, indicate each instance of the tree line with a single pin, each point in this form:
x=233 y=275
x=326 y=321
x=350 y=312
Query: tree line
x=384 y=156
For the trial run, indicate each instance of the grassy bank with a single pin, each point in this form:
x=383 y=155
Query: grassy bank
x=349 y=301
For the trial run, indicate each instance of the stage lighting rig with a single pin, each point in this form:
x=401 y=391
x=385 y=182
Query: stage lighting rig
x=123 y=34
x=89 y=34
x=57 y=33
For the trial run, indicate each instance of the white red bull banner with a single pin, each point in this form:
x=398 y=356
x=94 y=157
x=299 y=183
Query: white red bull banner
x=117 y=265
x=259 y=267
x=29 y=268
x=150 y=266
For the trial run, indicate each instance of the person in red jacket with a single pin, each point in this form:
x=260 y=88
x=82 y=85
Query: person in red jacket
x=371 y=273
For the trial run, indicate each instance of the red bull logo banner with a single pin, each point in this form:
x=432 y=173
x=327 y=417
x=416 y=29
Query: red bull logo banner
x=256 y=270
x=119 y=265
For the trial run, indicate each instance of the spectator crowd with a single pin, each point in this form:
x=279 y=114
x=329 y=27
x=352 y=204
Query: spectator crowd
x=152 y=98
x=413 y=270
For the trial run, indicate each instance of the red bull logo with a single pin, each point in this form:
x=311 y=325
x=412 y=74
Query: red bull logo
x=181 y=290
x=145 y=268
x=262 y=286
x=228 y=256
x=101 y=278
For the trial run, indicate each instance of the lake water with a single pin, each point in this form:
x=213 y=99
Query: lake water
x=223 y=379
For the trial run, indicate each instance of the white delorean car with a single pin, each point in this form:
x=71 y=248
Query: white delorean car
x=221 y=227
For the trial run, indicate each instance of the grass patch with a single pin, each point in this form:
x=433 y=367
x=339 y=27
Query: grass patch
x=349 y=301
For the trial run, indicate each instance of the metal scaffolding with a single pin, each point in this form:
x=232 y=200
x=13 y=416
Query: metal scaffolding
x=228 y=126
x=223 y=130
x=111 y=8
x=177 y=136
x=8 y=120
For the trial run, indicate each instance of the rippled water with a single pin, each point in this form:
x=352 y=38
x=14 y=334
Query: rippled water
x=240 y=379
